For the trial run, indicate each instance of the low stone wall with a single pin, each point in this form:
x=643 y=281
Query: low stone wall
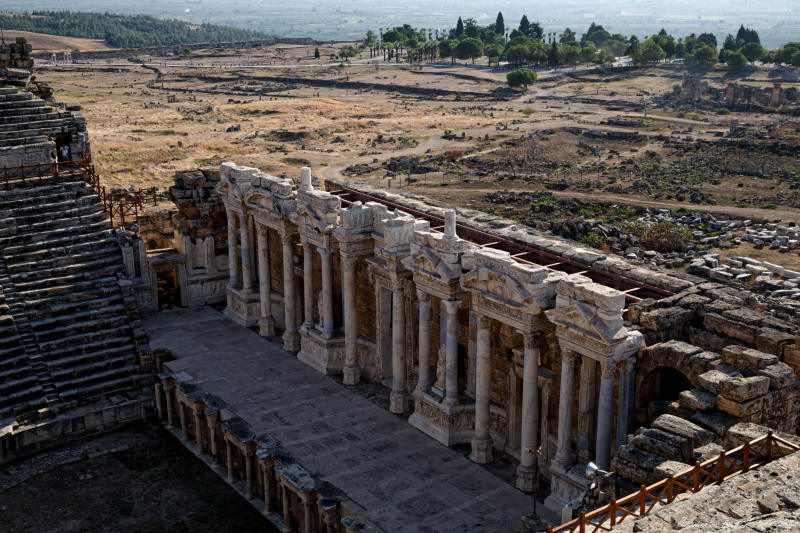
x=30 y=436
x=255 y=465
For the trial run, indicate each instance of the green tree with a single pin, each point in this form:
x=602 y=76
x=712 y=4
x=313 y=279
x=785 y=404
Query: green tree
x=459 y=27
x=316 y=53
x=370 y=39
x=521 y=78
x=499 y=24
x=701 y=54
x=493 y=52
x=571 y=53
x=517 y=54
x=471 y=28
x=554 y=55
x=735 y=60
x=447 y=49
x=469 y=49
x=588 y=52
x=567 y=36
x=525 y=26
x=753 y=52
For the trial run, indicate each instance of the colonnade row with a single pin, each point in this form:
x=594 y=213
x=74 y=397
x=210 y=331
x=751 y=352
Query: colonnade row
x=405 y=257
x=250 y=280
x=289 y=493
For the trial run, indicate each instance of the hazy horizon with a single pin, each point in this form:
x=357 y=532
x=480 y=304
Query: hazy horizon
x=777 y=22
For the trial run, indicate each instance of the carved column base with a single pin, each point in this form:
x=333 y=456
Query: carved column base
x=565 y=486
x=444 y=423
x=525 y=478
x=266 y=327
x=324 y=355
x=291 y=341
x=243 y=308
x=352 y=375
x=398 y=402
x=481 y=451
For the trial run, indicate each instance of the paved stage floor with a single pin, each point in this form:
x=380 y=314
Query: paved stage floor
x=404 y=480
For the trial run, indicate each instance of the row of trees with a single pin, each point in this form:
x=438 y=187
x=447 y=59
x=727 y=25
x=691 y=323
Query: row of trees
x=124 y=31
x=529 y=44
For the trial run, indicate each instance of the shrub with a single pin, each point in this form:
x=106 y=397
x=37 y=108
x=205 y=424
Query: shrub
x=722 y=111
x=593 y=239
x=666 y=237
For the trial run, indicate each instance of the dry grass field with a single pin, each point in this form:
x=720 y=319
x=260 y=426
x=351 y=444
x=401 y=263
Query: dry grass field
x=56 y=43
x=450 y=132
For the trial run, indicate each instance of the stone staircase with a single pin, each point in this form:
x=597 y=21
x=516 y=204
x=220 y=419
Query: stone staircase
x=71 y=340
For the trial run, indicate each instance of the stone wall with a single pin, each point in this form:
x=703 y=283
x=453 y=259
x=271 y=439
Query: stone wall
x=16 y=63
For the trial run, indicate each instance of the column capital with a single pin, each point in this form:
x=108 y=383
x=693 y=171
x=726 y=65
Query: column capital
x=348 y=261
x=484 y=322
x=288 y=238
x=607 y=368
x=324 y=253
x=628 y=364
x=423 y=296
x=261 y=229
x=568 y=355
x=530 y=340
x=451 y=306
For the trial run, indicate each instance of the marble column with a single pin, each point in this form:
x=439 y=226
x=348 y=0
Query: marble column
x=307 y=503
x=626 y=387
x=529 y=444
x=285 y=497
x=248 y=474
x=352 y=372
x=233 y=262
x=266 y=471
x=244 y=237
x=308 y=286
x=266 y=324
x=563 y=455
x=184 y=424
x=198 y=429
x=229 y=454
x=424 y=381
x=290 y=340
x=451 y=352
x=586 y=402
x=546 y=391
x=159 y=404
x=327 y=292
x=482 y=441
x=168 y=392
x=605 y=413
x=398 y=399
x=212 y=438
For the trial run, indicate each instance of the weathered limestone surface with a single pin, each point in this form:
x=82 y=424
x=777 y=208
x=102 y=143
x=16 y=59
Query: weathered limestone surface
x=403 y=480
x=766 y=499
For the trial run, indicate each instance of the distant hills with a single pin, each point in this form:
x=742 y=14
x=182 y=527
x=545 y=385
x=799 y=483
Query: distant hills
x=121 y=31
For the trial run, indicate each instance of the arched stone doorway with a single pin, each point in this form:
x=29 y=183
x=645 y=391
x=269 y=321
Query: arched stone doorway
x=656 y=391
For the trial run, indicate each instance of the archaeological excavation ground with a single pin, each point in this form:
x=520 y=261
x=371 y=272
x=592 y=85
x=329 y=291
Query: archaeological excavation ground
x=396 y=299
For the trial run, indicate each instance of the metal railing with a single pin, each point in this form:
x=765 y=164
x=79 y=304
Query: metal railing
x=728 y=464
x=28 y=175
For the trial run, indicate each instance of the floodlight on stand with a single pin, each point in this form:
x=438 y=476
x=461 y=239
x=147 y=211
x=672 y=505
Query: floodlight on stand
x=591 y=468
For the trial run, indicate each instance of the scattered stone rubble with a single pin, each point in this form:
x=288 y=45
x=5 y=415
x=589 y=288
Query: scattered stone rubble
x=765 y=499
x=738 y=385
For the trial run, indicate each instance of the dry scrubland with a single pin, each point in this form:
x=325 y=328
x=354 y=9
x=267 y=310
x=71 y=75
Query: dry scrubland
x=381 y=122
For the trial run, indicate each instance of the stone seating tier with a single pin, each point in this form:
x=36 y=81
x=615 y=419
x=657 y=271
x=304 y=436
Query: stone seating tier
x=60 y=261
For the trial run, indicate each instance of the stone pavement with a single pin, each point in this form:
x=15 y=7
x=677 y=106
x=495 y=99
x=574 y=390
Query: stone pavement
x=403 y=480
